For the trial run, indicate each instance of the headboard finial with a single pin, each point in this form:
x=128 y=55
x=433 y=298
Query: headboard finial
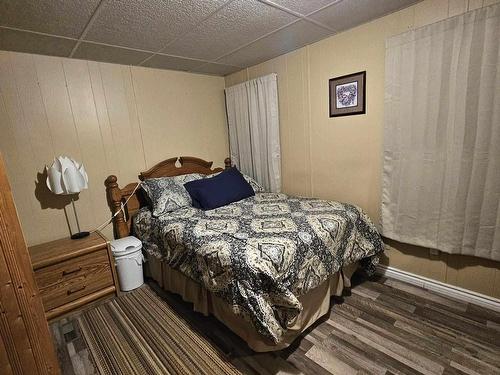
x=227 y=163
x=110 y=180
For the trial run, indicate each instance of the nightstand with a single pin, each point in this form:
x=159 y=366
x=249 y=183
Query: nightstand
x=72 y=273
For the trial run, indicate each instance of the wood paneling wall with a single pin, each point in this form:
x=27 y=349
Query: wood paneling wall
x=25 y=342
x=340 y=158
x=115 y=119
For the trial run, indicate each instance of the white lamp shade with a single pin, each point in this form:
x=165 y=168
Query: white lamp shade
x=66 y=176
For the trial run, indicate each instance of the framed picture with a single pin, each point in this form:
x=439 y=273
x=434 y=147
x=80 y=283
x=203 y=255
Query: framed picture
x=347 y=95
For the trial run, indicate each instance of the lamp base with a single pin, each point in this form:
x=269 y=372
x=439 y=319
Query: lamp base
x=79 y=235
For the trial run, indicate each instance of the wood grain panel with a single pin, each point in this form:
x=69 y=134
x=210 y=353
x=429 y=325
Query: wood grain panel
x=57 y=251
x=31 y=102
x=126 y=145
x=133 y=119
x=74 y=268
x=298 y=116
x=71 y=273
x=52 y=81
x=38 y=144
x=167 y=113
x=5 y=365
x=96 y=113
x=94 y=298
x=23 y=327
x=15 y=136
x=110 y=160
x=456 y=7
x=52 y=78
x=87 y=126
x=13 y=332
x=67 y=281
x=475 y=4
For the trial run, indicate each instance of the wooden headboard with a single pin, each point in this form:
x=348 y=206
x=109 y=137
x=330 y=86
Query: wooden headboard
x=167 y=168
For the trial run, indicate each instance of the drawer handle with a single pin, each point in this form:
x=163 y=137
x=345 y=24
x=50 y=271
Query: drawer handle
x=74 y=290
x=65 y=272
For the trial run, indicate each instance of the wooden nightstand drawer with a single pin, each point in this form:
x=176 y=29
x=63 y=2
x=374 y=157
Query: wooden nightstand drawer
x=72 y=273
x=74 y=278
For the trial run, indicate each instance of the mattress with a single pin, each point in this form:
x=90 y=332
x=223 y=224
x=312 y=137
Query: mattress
x=261 y=254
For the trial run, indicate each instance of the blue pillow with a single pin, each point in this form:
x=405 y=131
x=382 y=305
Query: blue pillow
x=227 y=187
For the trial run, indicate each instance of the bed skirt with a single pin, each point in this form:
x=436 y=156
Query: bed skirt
x=316 y=303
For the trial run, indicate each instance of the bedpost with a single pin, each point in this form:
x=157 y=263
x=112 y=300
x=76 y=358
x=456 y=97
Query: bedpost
x=114 y=197
x=227 y=163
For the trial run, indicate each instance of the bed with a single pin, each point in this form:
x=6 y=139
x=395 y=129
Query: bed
x=265 y=266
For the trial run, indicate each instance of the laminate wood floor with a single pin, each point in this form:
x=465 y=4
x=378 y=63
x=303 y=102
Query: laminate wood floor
x=383 y=326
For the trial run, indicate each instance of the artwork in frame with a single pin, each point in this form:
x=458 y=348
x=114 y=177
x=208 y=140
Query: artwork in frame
x=347 y=95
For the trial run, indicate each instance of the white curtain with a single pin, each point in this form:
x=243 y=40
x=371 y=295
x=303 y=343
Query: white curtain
x=441 y=173
x=254 y=137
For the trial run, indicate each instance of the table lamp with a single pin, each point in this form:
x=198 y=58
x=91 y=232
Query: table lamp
x=66 y=176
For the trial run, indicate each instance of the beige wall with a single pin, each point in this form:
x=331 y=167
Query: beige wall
x=340 y=158
x=116 y=119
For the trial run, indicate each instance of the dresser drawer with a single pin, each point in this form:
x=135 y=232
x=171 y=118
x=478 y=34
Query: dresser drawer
x=71 y=279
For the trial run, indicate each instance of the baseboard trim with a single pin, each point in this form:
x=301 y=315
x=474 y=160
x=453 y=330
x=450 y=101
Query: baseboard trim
x=447 y=290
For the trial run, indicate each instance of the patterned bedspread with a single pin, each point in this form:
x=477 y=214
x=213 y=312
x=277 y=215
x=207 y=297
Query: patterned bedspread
x=260 y=253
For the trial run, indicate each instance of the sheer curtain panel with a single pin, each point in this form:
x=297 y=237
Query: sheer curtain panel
x=441 y=173
x=254 y=138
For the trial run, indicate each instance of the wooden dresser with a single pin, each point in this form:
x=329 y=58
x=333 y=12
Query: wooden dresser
x=25 y=342
x=71 y=273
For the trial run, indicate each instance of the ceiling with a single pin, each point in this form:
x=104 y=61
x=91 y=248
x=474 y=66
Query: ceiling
x=216 y=37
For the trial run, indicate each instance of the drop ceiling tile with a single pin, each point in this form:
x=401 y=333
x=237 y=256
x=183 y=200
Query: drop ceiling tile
x=171 y=62
x=347 y=14
x=65 y=18
x=217 y=69
x=117 y=55
x=285 y=40
x=22 y=41
x=148 y=25
x=241 y=22
x=303 y=7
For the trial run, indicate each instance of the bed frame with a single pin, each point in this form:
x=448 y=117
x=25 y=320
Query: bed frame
x=167 y=168
x=316 y=301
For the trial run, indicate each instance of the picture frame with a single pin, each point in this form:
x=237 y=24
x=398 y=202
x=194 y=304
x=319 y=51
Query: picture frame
x=348 y=95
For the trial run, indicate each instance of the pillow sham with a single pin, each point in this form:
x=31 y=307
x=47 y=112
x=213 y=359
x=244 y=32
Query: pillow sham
x=257 y=188
x=227 y=187
x=167 y=194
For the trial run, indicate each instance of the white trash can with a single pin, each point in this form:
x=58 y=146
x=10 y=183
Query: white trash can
x=128 y=256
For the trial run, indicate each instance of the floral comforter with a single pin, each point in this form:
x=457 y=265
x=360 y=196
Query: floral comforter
x=262 y=252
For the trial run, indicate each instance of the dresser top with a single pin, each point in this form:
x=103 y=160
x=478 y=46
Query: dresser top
x=59 y=250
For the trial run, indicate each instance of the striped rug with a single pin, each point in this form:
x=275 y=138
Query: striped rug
x=138 y=333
